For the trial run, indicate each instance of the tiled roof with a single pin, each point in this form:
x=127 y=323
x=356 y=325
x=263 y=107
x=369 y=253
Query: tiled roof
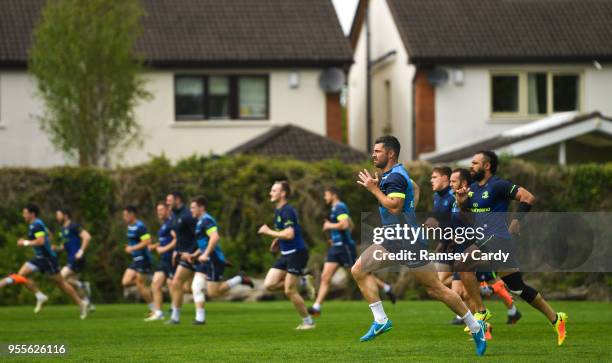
x=301 y=144
x=211 y=32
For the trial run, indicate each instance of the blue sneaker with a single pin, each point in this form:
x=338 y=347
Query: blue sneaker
x=479 y=339
x=376 y=329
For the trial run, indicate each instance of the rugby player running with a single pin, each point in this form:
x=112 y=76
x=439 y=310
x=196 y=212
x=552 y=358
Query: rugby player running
x=394 y=194
x=488 y=199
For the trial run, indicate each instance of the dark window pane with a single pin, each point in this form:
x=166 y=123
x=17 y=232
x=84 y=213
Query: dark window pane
x=253 y=97
x=565 y=93
x=218 y=97
x=189 y=95
x=505 y=93
x=536 y=91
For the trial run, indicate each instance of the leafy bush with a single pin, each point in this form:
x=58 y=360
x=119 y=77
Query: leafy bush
x=237 y=189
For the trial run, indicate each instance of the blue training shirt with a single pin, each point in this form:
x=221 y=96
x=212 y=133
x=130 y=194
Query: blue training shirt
x=489 y=203
x=204 y=228
x=70 y=236
x=286 y=217
x=340 y=237
x=37 y=229
x=443 y=201
x=137 y=233
x=164 y=236
x=396 y=183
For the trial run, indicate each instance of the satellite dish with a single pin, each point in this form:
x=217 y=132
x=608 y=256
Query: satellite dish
x=437 y=77
x=331 y=80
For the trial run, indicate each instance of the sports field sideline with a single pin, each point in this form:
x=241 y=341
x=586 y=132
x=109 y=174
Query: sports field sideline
x=265 y=332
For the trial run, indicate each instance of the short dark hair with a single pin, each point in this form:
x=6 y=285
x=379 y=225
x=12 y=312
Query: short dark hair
x=32 y=208
x=442 y=170
x=491 y=158
x=65 y=211
x=332 y=189
x=201 y=201
x=464 y=175
x=284 y=187
x=390 y=142
x=131 y=209
x=178 y=194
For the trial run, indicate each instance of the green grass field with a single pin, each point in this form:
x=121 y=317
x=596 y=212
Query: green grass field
x=265 y=332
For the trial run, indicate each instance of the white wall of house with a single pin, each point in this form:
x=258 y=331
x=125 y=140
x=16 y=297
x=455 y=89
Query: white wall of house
x=22 y=143
x=391 y=84
x=463 y=111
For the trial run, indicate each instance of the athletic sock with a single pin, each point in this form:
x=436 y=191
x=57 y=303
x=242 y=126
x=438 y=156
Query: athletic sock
x=316 y=306
x=176 y=314
x=152 y=307
x=200 y=315
x=40 y=296
x=79 y=284
x=236 y=280
x=500 y=290
x=386 y=288
x=512 y=310
x=308 y=320
x=471 y=322
x=379 y=313
x=85 y=300
x=458 y=317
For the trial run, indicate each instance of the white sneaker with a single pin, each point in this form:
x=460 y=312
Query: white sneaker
x=84 y=310
x=304 y=326
x=39 y=304
x=155 y=317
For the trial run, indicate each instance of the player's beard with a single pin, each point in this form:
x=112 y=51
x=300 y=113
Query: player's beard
x=478 y=175
x=380 y=164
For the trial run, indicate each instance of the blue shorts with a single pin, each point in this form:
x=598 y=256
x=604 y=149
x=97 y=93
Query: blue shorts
x=76 y=265
x=344 y=255
x=180 y=262
x=45 y=264
x=142 y=265
x=294 y=263
x=213 y=268
x=165 y=265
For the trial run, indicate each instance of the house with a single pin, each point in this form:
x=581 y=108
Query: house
x=221 y=72
x=301 y=144
x=450 y=73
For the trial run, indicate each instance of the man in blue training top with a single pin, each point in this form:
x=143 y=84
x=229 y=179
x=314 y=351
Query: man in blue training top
x=443 y=201
x=165 y=269
x=138 y=239
x=488 y=199
x=184 y=227
x=394 y=194
x=286 y=272
x=74 y=240
x=45 y=262
x=342 y=252
x=209 y=261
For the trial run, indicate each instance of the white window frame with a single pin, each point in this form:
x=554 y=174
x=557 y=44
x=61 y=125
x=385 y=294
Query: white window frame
x=523 y=96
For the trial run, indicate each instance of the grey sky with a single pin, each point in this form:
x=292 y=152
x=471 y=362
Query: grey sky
x=345 y=10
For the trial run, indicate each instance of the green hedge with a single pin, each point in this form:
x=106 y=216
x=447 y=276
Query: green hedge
x=237 y=189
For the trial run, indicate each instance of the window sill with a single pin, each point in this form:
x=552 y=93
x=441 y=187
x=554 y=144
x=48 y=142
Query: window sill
x=221 y=123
